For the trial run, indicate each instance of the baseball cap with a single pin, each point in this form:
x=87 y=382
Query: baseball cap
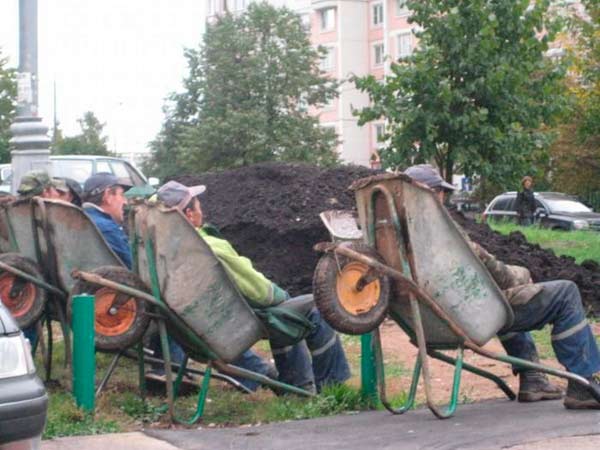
x=101 y=181
x=176 y=195
x=34 y=182
x=428 y=175
x=60 y=184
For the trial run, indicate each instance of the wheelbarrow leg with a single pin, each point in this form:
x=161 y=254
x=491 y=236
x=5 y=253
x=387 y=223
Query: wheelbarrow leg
x=65 y=331
x=410 y=401
x=480 y=372
x=164 y=342
x=202 y=395
x=109 y=371
x=48 y=358
x=141 y=370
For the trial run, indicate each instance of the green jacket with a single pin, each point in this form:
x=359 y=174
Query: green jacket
x=253 y=285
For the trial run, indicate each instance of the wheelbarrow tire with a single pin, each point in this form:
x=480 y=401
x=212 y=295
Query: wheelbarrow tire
x=27 y=302
x=124 y=326
x=346 y=310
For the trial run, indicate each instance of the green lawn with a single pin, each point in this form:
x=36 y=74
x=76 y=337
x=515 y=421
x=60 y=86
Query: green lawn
x=581 y=245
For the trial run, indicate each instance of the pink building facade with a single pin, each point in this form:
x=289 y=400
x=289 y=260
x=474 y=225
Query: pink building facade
x=361 y=37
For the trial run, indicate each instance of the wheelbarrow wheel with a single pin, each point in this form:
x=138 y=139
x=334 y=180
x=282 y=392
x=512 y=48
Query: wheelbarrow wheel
x=120 y=319
x=24 y=300
x=345 y=307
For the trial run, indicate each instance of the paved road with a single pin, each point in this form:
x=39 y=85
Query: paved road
x=481 y=426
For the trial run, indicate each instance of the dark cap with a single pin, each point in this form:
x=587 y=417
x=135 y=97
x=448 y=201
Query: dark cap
x=101 y=181
x=176 y=195
x=428 y=175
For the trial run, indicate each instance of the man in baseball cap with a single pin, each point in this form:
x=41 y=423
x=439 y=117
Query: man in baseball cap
x=37 y=183
x=428 y=175
x=104 y=196
x=176 y=195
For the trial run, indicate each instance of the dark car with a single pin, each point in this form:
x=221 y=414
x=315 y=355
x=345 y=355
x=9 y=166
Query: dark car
x=553 y=210
x=23 y=399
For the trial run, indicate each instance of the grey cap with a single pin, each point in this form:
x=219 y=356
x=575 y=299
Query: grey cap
x=101 y=181
x=428 y=175
x=176 y=195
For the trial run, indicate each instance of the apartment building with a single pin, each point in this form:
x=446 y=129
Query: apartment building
x=361 y=37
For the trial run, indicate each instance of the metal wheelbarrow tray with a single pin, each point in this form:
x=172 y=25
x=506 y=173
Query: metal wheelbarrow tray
x=441 y=293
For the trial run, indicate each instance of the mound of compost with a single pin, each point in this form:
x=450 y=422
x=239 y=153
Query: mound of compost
x=543 y=264
x=270 y=213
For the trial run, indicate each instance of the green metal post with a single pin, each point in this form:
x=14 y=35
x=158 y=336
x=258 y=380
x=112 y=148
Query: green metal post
x=84 y=358
x=368 y=370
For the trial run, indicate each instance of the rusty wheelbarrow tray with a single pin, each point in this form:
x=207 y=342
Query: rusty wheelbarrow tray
x=444 y=297
x=193 y=299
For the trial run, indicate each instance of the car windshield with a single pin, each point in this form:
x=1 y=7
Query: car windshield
x=569 y=206
x=78 y=169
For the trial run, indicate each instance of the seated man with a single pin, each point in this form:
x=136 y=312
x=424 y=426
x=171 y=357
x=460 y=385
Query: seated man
x=328 y=364
x=536 y=305
x=37 y=183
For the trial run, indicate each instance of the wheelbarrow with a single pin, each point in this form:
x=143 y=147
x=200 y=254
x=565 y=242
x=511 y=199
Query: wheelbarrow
x=416 y=267
x=28 y=285
x=192 y=300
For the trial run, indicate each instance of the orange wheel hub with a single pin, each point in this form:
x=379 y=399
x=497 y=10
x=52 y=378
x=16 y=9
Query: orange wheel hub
x=23 y=301
x=113 y=319
x=354 y=301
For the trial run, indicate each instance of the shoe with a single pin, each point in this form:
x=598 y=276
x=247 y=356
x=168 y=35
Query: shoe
x=579 y=397
x=535 y=386
x=156 y=381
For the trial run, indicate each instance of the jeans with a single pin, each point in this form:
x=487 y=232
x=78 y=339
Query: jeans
x=251 y=361
x=319 y=359
x=177 y=353
x=559 y=304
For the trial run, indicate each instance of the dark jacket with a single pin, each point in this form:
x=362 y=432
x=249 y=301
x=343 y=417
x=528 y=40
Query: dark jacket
x=525 y=204
x=111 y=231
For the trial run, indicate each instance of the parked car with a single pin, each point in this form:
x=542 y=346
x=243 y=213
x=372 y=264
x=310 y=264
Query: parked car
x=23 y=398
x=81 y=167
x=554 y=210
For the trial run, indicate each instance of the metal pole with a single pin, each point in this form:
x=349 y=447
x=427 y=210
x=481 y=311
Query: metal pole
x=368 y=371
x=29 y=140
x=84 y=358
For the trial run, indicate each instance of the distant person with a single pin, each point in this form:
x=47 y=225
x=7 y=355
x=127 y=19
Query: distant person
x=525 y=204
x=535 y=305
x=327 y=362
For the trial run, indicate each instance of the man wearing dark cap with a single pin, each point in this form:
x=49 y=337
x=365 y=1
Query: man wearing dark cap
x=327 y=362
x=37 y=183
x=104 y=197
x=536 y=305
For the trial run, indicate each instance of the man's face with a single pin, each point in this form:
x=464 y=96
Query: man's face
x=527 y=184
x=50 y=192
x=113 y=203
x=194 y=214
x=65 y=196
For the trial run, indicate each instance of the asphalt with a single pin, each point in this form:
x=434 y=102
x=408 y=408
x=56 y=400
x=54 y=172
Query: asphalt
x=486 y=425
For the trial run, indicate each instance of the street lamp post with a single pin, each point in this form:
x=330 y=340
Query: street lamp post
x=30 y=141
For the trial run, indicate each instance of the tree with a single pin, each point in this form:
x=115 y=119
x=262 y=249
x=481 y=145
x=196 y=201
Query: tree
x=477 y=92
x=247 y=96
x=8 y=103
x=89 y=142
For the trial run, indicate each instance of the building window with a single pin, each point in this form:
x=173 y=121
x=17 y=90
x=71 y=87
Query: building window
x=401 y=8
x=377 y=14
x=379 y=135
x=239 y=5
x=378 y=54
x=327 y=19
x=213 y=7
x=328 y=59
x=305 y=21
x=404 y=45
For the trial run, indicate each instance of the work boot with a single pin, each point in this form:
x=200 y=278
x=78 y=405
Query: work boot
x=535 y=386
x=579 y=397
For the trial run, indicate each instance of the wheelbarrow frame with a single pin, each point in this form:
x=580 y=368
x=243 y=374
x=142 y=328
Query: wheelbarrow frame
x=418 y=296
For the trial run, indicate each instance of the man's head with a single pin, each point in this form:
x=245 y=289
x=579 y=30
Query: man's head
x=68 y=189
x=527 y=182
x=105 y=190
x=429 y=176
x=37 y=183
x=185 y=199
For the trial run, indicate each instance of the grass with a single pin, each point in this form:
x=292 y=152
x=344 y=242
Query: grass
x=581 y=245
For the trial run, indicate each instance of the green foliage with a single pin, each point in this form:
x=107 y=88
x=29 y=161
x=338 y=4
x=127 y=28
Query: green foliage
x=247 y=95
x=8 y=101
x=476 y=94
x=65 y=419
x=89 y=142
x=581 y=245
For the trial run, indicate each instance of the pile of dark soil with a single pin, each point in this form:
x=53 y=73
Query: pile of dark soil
x=543 y=264
x=270 y=213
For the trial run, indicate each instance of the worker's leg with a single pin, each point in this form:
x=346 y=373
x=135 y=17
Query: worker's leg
x=251 y=361
x=559 y=304
x=328 y=358
x=294 y=365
